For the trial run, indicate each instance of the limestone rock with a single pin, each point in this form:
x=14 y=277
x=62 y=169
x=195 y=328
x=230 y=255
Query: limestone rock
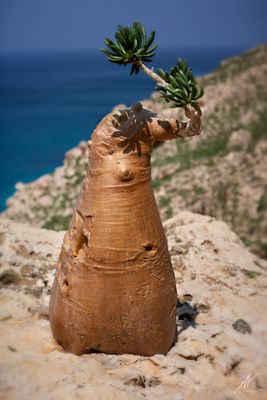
x=239 y=140
x=218 y=281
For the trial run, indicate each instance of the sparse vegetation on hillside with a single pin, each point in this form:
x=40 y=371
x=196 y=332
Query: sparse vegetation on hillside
x=221 y=173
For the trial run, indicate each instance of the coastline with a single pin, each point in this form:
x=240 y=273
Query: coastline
x=50 y=105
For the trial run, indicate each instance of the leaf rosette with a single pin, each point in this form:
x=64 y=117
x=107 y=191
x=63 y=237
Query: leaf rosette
x=181 y=87
x=132 y=45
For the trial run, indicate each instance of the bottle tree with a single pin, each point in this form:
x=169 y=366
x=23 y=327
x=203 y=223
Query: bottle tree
x=114 y=289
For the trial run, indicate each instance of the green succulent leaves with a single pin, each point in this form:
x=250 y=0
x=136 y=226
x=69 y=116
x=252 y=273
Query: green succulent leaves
x=131 y=46
x=181 y=89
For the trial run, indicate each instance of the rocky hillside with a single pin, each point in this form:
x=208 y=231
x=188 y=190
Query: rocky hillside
x=222 y=173
x=221 y=319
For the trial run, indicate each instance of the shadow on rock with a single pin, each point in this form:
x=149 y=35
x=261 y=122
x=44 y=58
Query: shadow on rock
x=186 y=314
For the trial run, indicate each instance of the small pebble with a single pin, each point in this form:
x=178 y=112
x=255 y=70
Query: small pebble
x=241 y=326
x=39 y=283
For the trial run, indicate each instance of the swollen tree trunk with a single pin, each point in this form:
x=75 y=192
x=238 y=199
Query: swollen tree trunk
x=114 y=289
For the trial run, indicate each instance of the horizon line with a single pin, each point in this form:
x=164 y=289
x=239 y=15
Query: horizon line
x=60 y=51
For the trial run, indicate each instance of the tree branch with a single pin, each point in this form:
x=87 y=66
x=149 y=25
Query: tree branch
x=151 y=73
x=170 y=128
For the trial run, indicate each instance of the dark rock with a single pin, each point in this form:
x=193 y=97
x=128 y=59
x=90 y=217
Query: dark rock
x=241 y=326
x=143 y=381
x=9 y=277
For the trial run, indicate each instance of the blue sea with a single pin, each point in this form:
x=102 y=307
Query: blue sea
x=50 y=102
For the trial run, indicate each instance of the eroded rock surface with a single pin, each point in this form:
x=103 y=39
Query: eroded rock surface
x=218 y=281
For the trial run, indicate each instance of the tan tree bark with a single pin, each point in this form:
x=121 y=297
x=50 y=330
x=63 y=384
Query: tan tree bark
x=114 y=289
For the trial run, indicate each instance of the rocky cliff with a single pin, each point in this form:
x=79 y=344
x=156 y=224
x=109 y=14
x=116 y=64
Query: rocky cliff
x=222 y=173
x=221 y=319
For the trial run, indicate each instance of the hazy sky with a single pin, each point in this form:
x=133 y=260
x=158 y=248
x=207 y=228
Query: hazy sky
x=41 y=25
